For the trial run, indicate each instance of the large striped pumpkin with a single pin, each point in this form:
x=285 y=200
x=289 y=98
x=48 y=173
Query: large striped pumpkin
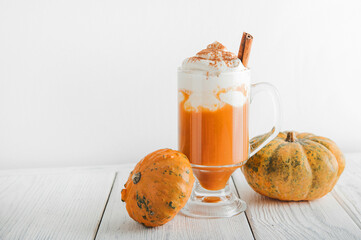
x=294 y=166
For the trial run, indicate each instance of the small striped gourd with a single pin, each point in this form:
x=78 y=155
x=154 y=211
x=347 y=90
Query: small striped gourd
x=158 y=187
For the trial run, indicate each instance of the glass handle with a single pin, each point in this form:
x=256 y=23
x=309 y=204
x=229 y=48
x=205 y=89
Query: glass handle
x=272 y=91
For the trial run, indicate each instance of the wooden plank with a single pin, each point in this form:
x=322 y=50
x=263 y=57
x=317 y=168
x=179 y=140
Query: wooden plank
x=63 y=170
x=116 y=223
x=348 y=190
x=61 y=205
x=273 y=219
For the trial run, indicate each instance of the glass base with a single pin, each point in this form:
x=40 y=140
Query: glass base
x=204 y=203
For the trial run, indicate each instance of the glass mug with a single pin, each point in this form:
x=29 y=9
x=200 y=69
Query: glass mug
x=213 y=133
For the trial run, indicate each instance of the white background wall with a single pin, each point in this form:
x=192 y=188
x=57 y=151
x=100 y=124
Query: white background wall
x=94 y=82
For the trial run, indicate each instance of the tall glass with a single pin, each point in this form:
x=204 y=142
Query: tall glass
x=213 y=133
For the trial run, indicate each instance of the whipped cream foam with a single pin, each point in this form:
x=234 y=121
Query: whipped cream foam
x=213 y=78
x=214 y=59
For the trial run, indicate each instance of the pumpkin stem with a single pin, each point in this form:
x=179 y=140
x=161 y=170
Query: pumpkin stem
x=291 y=137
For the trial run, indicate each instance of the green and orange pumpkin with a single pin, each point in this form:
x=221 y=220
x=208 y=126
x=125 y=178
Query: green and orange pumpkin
x=158 y=187
x=294 y=166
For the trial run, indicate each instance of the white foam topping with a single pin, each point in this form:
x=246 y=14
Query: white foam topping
x=214 y=59
x=212 y=79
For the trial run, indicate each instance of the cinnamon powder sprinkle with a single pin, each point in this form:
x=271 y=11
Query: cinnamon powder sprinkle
x=216 y=53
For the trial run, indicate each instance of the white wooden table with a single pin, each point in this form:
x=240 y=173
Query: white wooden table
x=84 y=203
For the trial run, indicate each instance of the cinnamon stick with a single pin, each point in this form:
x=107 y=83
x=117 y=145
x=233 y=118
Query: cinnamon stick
x=245 y=48
x=241 y=47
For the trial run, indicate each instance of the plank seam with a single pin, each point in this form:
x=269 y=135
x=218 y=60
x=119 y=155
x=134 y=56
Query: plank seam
x=346 y=208
x=245 y=213
x=105 y=206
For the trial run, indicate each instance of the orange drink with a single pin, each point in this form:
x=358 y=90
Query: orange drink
x=214 y=95
x=217 y=137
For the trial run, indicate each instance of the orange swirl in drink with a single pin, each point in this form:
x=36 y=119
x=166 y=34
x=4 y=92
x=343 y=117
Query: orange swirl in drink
x=214 y=138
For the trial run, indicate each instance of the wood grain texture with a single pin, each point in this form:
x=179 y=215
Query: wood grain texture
x=60 y=205
x=272 y=219
x=116 y=223
x=348 y=189
x=68 y=204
